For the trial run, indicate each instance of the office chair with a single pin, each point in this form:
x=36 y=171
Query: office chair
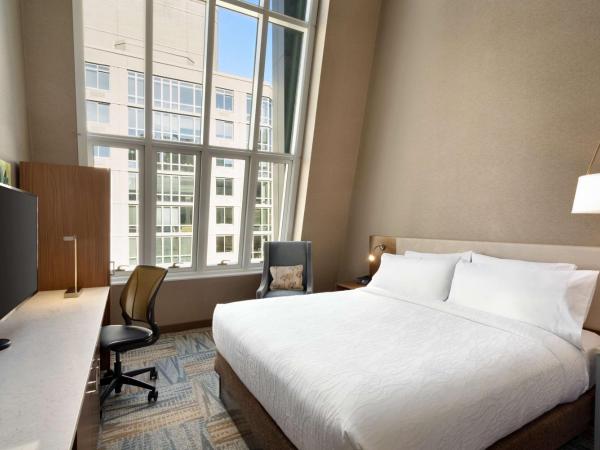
x=137 y=305
x=286 y=253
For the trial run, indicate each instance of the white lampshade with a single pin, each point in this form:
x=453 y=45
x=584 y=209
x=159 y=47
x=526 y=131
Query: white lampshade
x=587 y=196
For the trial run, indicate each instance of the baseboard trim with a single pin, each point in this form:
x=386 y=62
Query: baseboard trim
x=185 y=326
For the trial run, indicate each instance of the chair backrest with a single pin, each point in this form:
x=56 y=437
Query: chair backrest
x=139 y=295
x=289 y=253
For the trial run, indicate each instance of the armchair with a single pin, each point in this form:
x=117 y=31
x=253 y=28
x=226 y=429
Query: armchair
x=286 y=253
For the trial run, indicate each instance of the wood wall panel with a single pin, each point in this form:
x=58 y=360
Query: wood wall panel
x=73 y=200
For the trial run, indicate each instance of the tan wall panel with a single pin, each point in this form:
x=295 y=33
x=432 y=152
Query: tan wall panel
x=192 y=300
x=481 y=116
x=14 y=145
x=50 y=80
x=330 y=160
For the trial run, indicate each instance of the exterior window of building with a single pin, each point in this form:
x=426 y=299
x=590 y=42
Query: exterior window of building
x=133 y=186
x=224 y=186
x=224 y=99
x=248 y=107
x=224 y=215
x=263 y=193
x=266 y=112
x=133 y=218
x=224 y=244
x=101 y=151
x=162 y=225
x=258 y=242
x=98 y=112
x=224 y=129
x=133 y=251
x=224 y=162
x=135 y=121
x=135 y=88
x=97 y=76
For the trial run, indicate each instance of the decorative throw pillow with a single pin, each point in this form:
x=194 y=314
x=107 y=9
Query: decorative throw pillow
x=287 y=278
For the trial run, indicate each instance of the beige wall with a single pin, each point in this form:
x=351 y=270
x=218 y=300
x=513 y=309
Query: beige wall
x=332 y=147
x=481 y=116
x=14 y=145
x=181 y=302
x=50 y=77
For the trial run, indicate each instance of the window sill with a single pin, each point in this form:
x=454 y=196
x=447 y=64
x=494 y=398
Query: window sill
x=120 y=280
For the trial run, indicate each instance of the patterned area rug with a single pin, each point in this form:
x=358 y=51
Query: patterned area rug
x=188 y=413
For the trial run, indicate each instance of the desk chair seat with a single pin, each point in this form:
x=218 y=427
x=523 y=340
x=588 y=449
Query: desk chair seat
x=137 y=304
x=120 y=338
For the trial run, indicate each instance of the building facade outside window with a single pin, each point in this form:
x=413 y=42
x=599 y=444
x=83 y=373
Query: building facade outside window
x=184 y=221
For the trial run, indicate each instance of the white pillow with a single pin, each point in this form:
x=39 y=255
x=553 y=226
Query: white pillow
x=555 y=300
x=477 y=258
x=414 y=279
x=465 y=256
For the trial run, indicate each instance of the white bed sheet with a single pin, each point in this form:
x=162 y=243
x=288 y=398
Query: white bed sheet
x=360 y=370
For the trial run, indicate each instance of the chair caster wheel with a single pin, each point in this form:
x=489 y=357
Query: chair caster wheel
x=152 y=396
x=153 y=374
x=117 y=389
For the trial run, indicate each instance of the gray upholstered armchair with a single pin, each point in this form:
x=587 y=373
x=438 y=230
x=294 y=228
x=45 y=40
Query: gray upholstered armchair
x=284 y=253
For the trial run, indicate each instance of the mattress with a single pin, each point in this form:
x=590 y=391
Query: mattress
x=361 y=370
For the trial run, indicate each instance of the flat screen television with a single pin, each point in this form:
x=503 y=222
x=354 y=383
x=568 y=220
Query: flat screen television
x=18 y=250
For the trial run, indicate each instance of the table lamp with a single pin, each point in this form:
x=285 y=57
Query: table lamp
x=73 y=292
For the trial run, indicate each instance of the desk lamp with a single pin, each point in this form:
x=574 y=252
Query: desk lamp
x=73 y=292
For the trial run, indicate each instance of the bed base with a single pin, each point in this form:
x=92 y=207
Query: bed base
x=549 y=431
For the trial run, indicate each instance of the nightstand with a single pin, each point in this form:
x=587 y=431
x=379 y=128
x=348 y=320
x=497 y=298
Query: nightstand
x=348 y=285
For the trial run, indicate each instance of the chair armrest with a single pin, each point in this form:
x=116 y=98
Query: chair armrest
x=263 y=288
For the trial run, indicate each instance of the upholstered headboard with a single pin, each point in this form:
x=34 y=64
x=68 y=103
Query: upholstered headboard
x=583 y=257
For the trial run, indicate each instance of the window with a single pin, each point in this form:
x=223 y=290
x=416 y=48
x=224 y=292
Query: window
x=97 y=76
x=224 y=215
x=101 y=151
x=135 y=88
x=224 y=186
x=224 y=244
x=248 y=107
x=224 y=129
x=135 y=121
x=186 y=196
x=224 y=99
x=133 y=218
x=222 y=162
x=98 y=112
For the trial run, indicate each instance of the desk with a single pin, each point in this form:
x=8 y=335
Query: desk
x=45 y=374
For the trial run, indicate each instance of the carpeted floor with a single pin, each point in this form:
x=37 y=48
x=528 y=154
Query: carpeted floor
x=188 y=413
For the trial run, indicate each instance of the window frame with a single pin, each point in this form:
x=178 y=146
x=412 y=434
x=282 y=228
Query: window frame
x=149 y=147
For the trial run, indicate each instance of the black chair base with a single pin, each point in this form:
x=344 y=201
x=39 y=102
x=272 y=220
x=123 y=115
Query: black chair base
x=116 y=378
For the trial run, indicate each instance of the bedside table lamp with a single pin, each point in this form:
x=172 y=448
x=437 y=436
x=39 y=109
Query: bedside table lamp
x=380 y=247
x=73 y=292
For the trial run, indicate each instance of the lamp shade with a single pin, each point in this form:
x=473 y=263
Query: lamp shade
x=587 y=196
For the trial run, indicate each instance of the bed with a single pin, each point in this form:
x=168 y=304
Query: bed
x=359 y=370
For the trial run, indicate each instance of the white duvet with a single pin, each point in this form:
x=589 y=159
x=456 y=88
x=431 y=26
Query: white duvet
x=360 y=370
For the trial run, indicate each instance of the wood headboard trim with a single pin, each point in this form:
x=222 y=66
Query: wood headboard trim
x=583 y=257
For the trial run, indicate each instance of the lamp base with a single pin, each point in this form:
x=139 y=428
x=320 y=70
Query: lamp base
x=72 y=293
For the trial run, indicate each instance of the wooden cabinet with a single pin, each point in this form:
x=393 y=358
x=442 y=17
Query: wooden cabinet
x=89 y=418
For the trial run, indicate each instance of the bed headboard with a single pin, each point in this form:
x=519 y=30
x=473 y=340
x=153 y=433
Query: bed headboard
x=583 y=257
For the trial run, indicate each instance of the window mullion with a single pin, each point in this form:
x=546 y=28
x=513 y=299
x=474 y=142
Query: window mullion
x=149 y=173
x=208 y=69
